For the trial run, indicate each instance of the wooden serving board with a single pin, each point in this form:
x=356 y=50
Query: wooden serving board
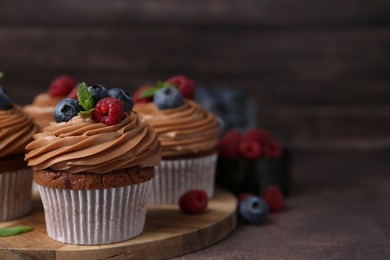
x=167 y=233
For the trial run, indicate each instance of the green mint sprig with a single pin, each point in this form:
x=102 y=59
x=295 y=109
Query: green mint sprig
x=12 y=231
x=149 y=92
x=85 y=100
x=1 y=74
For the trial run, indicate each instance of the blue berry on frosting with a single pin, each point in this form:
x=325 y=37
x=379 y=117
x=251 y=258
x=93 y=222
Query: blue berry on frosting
x=168 y=97
x=123 y=96
x=5 y=101
x=98 y=92
x=66 y=109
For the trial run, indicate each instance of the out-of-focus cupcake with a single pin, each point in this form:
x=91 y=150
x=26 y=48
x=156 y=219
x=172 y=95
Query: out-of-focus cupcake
x=42 y=107
x=93 y=168
x=188 y=135
x=16 y=131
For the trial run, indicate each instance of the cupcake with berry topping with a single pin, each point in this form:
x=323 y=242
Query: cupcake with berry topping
x=93 y=167
x=188 y=135
x=16 y=131
x=42 y=107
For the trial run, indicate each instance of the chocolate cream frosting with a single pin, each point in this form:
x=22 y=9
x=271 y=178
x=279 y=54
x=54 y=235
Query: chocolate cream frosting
x=16 y=131
x=81 y=145
x=188 y=129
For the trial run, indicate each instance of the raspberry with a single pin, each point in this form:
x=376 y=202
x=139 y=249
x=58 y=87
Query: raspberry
x=61 y=86
x=227 y=149
x=233 y=136
x=257 y=135
x=250 y=149
x=274 y=198
x=109 y=111
x=243 y=196
x=73 y=93
x=136 y=95
x=193 y=202
x=185 y=85
x=272 y=149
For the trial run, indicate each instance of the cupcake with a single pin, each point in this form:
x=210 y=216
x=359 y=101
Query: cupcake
x=42 y=108
x=16 y=131
x=93 y=167
x=188 y=136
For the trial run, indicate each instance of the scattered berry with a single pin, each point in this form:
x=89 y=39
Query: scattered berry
x=243 y=196
x=61 y=86
x=257 y=135
x=253 y=210
x=227 y=149
x=66 y=109
x=250 y=149
x=98 y=92
x=136 y=95
x=193 y=202
x=272 y=149
x=168 y=97
x=274 y=198
x=185 y=85
x=5 y=101
x=73 y=93
x=233 y=136
x=109 y=111
x=123 y=96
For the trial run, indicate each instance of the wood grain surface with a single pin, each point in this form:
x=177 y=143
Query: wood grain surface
x=167 y=233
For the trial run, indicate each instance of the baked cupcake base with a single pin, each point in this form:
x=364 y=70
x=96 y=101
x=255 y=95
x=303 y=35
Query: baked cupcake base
x=173 y=177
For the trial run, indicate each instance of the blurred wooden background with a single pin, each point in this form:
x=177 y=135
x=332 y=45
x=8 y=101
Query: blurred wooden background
x=318 y=70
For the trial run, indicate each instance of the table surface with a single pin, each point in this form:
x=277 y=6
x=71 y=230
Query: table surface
x=339 y=210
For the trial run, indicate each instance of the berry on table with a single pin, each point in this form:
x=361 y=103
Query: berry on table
x=168 y=97
x=109 y=111
x=274 y=198
x=250 y=149
x=123 y=96
x=253 y=210
x=61 y=86
x=185 y=85
x=66 y=109
x=142 y=89
x=98 y=92
x=193 y=202
x=5 y=101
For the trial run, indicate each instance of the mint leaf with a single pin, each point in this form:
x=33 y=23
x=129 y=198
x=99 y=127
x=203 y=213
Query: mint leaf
x=148 y=92
x=84 y=97
x=1 y=74
x=163 y=84
x=12 y=231
x=87 y=113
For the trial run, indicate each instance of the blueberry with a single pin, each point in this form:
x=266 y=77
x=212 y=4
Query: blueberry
x=66 y=109
x=253 y=210
x=98 y=92
x=5 y=101
x=168 y=97
x=123 y=96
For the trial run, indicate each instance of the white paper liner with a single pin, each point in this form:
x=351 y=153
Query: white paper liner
x=15 y=194
x=92 y=217
x=173 y=178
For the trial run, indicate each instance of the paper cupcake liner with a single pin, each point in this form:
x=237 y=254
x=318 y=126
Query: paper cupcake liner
x=92 y=217
x=15 y=194
x=174 y=177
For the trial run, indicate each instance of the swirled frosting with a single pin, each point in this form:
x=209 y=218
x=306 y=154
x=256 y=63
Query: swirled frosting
x=81 y=145
x=188 y=129
x=42 y=108
x=16 y=131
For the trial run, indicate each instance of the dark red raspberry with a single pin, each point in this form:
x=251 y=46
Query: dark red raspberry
x=250 y=149
x=73 y=93
x=233 y=136
x=141 y=90
x=243 y=196
x=193 y=202
x=61 y=86
x=274 y=198
x=109 y=111
x=227 y=149
x=257 y=135
x=185 y=85
x=272 y=149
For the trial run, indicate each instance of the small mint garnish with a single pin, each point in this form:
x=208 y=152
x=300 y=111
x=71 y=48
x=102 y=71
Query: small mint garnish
x=12 y=231
x=149 y=92
x=1 y=74
x=85 y=100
